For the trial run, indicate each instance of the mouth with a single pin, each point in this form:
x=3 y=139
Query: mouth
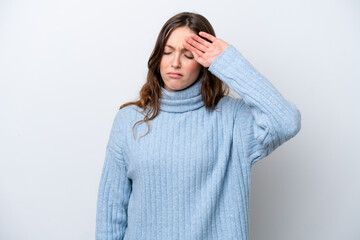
x=174 y=75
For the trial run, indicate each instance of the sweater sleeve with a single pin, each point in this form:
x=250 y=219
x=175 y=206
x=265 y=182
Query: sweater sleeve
x=114 y=190
x=264 y=119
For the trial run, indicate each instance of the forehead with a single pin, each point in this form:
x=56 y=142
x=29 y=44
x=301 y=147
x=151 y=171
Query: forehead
x=177 y=36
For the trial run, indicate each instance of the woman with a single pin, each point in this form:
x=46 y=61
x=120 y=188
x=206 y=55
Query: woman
x=188 y=176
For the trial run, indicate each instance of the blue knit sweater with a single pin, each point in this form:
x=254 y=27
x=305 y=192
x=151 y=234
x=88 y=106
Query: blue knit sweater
x=189 y=177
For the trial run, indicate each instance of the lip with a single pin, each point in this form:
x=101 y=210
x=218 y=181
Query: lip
x=174 y=75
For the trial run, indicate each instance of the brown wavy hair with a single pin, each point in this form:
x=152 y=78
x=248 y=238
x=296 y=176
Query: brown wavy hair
x=212 y=88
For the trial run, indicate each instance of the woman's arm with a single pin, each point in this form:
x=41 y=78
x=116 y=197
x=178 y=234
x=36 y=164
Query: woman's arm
x=114 y=190
x=264 y=119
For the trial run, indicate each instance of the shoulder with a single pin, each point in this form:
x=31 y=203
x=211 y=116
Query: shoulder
x=126 y=117
x=231 y=105
x=123 y=121
x=129 y=112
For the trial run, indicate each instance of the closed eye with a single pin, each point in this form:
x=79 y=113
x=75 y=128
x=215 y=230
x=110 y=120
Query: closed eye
x=165 y=53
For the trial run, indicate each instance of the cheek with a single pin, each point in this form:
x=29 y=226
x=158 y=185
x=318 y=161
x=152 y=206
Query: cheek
x=164 y=63
x=194 y=67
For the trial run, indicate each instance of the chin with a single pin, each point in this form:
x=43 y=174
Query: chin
x=175 y=86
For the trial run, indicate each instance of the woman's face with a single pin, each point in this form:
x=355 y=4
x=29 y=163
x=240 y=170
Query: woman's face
x=179 y=61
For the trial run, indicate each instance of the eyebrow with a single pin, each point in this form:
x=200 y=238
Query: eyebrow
x=183 y=49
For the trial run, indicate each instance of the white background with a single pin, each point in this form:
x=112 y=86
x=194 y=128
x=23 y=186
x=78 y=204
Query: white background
x=66 y=67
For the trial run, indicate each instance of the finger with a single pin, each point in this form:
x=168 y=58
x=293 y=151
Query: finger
x=198 y=58
x=194 y=51
x=195 y=44
x=208 y=36
x=200 y=40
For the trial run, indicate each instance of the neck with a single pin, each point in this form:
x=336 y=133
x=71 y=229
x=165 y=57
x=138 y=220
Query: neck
x=184 y=100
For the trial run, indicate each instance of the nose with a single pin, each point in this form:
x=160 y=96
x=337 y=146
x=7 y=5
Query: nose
x=176 y=62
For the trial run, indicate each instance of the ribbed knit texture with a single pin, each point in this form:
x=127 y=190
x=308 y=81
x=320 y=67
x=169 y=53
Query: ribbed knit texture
x=189 y=177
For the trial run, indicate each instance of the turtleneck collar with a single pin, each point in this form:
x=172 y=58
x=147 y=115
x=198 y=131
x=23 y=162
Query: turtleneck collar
x=184 y=100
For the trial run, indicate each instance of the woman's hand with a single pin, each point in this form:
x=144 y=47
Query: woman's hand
x=205 y=52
